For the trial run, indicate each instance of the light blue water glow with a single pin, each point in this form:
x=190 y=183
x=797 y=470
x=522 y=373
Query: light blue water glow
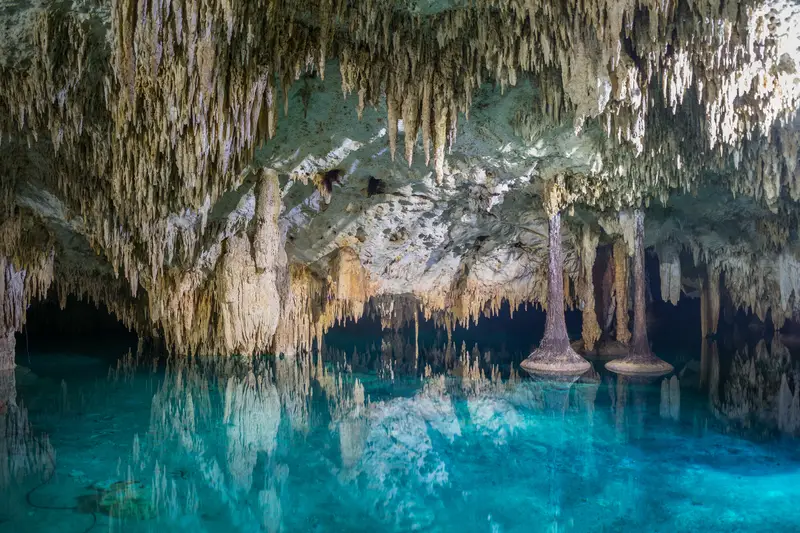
x=290 y=446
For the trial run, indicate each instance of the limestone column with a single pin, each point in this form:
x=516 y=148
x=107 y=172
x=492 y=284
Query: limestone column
x=640 y=359
x=621 y=290
x=554 y=354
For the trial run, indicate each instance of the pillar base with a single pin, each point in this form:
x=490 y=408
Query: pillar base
x=548 y=361
x=640 y=364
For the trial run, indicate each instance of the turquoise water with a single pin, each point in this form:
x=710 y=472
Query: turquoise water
x=304 y=445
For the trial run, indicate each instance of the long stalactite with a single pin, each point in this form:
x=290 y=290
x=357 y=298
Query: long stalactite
x=621 y=285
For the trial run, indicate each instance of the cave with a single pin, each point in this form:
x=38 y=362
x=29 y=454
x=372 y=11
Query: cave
x=395 y=265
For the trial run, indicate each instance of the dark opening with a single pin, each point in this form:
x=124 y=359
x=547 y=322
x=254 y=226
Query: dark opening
x=81 y=329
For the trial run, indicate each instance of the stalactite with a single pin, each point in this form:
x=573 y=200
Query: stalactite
x=416 y=339
x=669 y=265
x=590 y=332
x=606 y=304
x=621 y=290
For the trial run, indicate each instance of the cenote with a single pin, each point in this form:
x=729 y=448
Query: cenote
x=398 y=430
x=399 y=265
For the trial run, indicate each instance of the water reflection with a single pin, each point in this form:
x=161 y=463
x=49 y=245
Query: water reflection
x=396 y=440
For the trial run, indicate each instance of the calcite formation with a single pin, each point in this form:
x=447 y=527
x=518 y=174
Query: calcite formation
x=640 y=359
x=226 y=177
x=554 y=355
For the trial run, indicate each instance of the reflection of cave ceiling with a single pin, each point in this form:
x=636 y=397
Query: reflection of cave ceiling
x=237 y=177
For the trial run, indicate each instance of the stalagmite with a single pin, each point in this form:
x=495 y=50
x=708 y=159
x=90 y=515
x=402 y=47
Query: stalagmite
x=554 y=354
x=640 y=359
x=623 y=334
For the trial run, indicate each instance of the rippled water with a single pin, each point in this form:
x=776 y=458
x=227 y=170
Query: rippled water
x=298 y=445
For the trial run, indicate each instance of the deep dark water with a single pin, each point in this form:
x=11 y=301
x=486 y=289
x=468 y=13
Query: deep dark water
x=364 y=435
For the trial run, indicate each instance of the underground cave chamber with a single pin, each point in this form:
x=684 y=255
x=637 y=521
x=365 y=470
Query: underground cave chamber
x=399 y=265
x=400 y=426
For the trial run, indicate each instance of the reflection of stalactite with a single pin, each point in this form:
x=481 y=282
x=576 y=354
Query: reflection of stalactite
x=251 y=417
x=759 y=389
x=398 y=356
x=670 y=406
x=707 y=351
x=788 y=407
x=22 y=453
x=714 y=375
x=588 y=385
x=586 y=389
x=709 y=303
x=247 y=398
x=621 y=402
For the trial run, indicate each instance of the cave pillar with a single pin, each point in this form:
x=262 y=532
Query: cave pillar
x=640 y=360
x=621 y=290
x=554 y=354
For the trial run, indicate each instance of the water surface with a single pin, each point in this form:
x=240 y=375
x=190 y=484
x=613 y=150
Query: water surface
x=307 y=444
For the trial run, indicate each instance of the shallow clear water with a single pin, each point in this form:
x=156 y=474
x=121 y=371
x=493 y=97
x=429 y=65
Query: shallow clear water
x=303 y=446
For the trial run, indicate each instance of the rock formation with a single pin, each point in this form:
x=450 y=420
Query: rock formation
x=761 y=390
x=554 y=354
x=641 y=359
x=225 y=177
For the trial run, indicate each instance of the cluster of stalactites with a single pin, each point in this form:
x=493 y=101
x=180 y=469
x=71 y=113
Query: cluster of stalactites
x=191 y=89
x=764 y=284
x=761 y=379
x=26 y=269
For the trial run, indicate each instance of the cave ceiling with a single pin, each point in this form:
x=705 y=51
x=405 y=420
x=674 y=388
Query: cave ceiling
x=237 y=177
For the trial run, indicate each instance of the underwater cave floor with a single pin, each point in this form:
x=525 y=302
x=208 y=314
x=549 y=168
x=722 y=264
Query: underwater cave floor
x=293 y=448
